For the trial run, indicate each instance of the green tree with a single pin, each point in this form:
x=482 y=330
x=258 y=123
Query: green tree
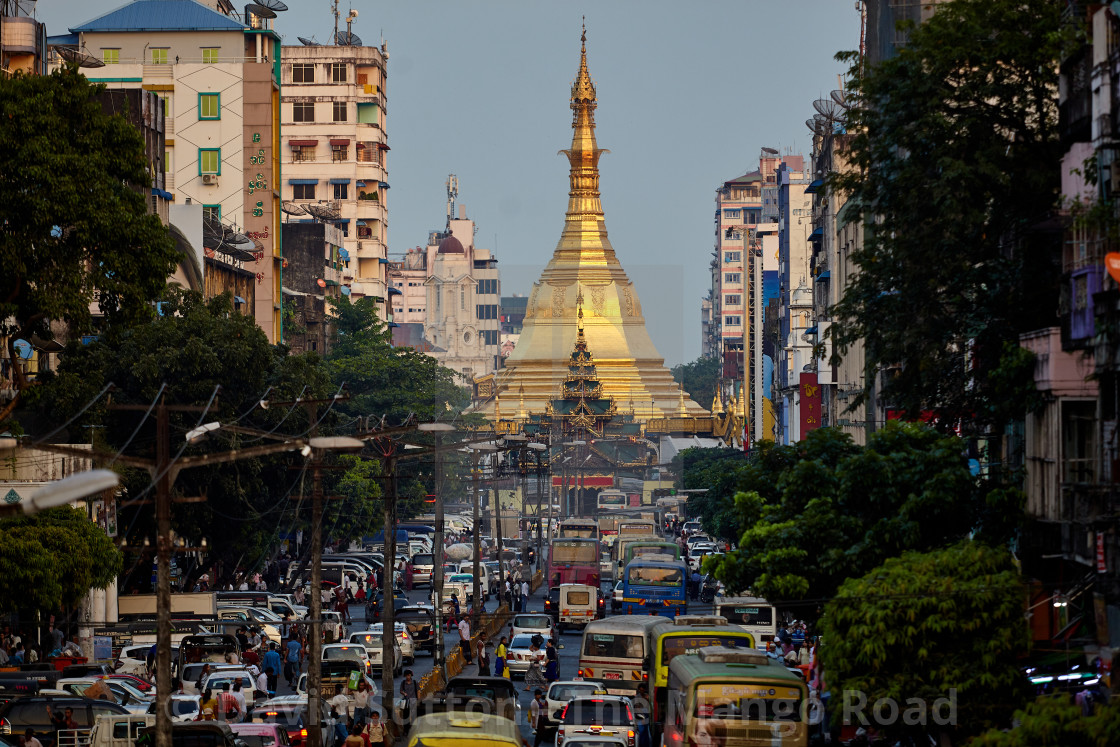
x=824 y=510
x=953 y=151
x=1057 y=720
x=922 y=627
x=699 y=378
x=73 y=182
x=51 y=560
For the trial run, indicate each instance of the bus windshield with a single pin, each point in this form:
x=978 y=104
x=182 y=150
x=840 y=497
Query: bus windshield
x=665 y=548
x=745 y=701
x=636 y=529
x=655 y=575
x=579 y=529
x=574 y=552
x=611 y=499
x=674 y=645
x=747 y=614
x=614 y=645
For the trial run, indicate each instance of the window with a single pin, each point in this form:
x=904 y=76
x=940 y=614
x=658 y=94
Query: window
x=488 y=287
x=166 y=161
x=462 y=298
x=159 y=55
x=303 y=73
x=212 y=213
x=209 y=160
x=210 y=55
x=303 y=191
x=111 y=56
x=732 y=213
x=340 y=111
x=1079 y=421
x=732 y=256
x=732 y=321
x=489 y=336
x=209 y=106
x=338 y=152
x=338 y=72
x=732 y=300
x=340 y=191
x=303 y=153
x=303 y=111
x=486 y=311
x=732 y=277
x=165 y=101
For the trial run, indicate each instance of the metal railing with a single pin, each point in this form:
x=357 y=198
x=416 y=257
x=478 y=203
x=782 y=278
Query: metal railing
x=491 y=624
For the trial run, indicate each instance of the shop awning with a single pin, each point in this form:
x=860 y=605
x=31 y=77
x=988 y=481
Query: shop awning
x=383 y=184
x=340 y=141
x=302 y=143
x=161 y=193
x=814 y=186
x=823 y=276
x=303 y=181
x=817 y=233
x=383 y=146
x=340 y=181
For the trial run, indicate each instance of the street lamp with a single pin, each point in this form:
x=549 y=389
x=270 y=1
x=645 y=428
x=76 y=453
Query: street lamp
x=437 y=429
x=65 y=491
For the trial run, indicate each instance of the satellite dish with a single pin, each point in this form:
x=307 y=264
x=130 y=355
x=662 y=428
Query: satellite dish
x=347 y=39
x=275 y=5
x=840 y=96
x=323 y=212
x=812 y=125
x=828 y=108
x=770 y=151
x=260 y=11
x=308 y=42
x=213 y=233
x=233 y=237
x=292 y=208
x=84 y=59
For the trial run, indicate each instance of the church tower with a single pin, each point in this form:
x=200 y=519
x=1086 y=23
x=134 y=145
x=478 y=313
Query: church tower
x=584 y=266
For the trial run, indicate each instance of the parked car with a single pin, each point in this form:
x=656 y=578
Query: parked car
x=132 y=660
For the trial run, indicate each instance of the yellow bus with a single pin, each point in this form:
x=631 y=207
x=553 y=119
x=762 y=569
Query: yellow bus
x=734 y=697
x=683 y=635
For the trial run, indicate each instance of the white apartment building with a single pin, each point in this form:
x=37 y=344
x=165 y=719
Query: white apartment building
x=333 y=152
x=219 y=81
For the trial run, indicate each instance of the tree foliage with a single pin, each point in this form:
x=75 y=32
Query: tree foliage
x=51 y=560
x=953 y=151
x=811 y=515
x=76 y=233
x=699 y=378
x=1058 y=720
x=929 y=626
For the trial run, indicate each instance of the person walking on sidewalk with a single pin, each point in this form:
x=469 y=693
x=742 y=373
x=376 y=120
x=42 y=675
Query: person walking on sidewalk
x=465 y=638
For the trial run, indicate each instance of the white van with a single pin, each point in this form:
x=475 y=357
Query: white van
x=485 y=584
x=118 y=730
x=423 y=565
x=578 y=605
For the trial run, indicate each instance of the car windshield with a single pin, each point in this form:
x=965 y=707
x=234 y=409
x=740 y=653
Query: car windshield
x=521 y=641
x=423 y=559
x=342 y=652
x=598 y=711
x=531 y=621
x=225 y=682
x=567 y=692
x=461 y=577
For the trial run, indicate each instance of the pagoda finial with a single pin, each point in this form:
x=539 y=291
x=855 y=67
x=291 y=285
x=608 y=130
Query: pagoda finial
x=583 y=193
x=579 y=313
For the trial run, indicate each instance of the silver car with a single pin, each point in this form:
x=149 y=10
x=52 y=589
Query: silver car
x=372 y=639
x=520 y=655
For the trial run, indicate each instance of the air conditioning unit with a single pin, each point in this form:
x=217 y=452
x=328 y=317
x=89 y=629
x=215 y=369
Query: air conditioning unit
x=209 y=178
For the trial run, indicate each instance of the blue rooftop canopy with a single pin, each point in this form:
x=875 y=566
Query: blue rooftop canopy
x=162 y=15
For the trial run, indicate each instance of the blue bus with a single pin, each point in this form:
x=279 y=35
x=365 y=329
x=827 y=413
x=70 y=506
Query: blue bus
x=655 y=585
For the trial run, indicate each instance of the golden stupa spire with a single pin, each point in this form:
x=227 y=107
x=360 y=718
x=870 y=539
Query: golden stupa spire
x=585 y=210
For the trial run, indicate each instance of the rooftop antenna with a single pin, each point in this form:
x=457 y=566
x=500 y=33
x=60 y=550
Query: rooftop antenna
x=349 y=20
x=452 y=194
x=334 y=10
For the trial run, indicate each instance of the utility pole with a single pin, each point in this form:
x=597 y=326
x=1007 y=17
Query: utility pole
x=388 y=611
x=315 y=634
x=476 y=535
x=440 y=662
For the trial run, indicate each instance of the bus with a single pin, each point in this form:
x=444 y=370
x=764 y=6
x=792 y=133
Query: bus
x=637 y=528
x=622 y=545
x=728 y=696
x=754 y=615
x=655 y=585
x=649 y=546
x=687 y=634
x=581 y=528
x=574 y=560
x=612 y=499
x=615 y=651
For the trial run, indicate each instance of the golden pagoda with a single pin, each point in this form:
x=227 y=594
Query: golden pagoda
x=584 y=266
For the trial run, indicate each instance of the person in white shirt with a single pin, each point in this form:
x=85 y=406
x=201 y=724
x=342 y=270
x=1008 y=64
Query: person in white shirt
x=465 y=638
x=524 y=596
x=340 y=704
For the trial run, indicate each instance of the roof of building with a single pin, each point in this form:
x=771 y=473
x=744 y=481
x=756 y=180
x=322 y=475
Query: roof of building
x=749 y=178
x=451 y=245
x=162 y=15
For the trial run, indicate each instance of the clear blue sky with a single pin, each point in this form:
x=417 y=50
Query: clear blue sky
x=688 y=94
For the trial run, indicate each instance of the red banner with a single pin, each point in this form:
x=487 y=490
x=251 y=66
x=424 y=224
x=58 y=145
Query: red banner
x=810 y=403
x=589 y=481
x=1102 y=564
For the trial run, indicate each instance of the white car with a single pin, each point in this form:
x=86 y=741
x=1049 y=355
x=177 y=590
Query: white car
x=372 y=639
x=351 y=651
x=133 y=660
x=124 y=694
x=520 y=656
x=690 y=527
x=561 y=691
x=459 y=584
x=220 y=680
x=697 y=553
x=530 y=624
x=484 y=578
x=588 y=717
x=698 y=538
x=616 y=597
x=193 y=671
x=182 y=707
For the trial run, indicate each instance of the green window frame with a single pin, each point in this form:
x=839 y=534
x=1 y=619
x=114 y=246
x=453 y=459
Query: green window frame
x=159 y=55
x=209 y=161
x=111 y=56
x=210 y=55
x=209 y=105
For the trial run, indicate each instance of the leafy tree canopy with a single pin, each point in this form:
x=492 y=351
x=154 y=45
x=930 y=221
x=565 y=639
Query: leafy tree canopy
x=699 y=379
x=52 y=559
x=824 y=510
x=944 y=628
x=952 y=172
x=73 y=182
x=1058 y=720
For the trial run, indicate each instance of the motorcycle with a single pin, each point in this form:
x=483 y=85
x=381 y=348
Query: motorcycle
x=710 y=589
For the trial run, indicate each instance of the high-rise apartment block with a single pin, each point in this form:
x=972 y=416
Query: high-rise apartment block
x=333 y=152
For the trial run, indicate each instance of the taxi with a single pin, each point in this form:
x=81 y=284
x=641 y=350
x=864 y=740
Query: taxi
x=459 y=729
